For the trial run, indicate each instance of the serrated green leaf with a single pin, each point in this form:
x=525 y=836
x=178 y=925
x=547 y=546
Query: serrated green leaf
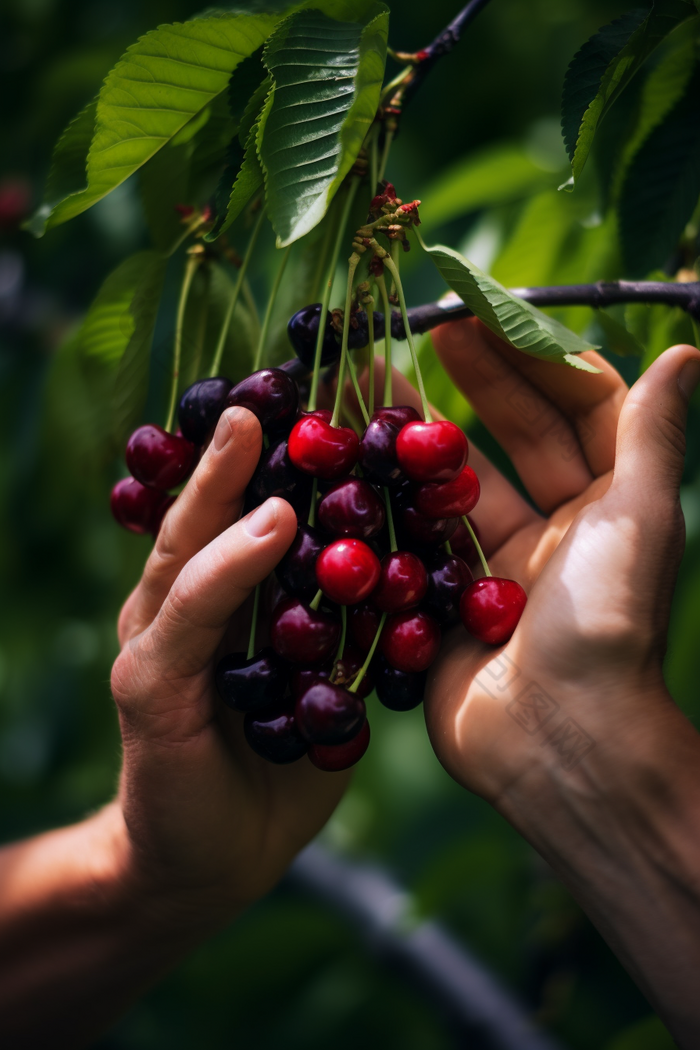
x=519 y=323
x=618 y=338
x=327 y=80
x=605 y=65
x=67 y=174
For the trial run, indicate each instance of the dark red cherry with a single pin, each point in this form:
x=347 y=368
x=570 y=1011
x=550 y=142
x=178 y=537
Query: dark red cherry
x=462 y=543
x=138 y=508
x=333 y=758
x=402 y=584
x=426 y=532
x=295 y=368
x=276 y=476
x=247 y=684
x=431 y=451
x=448 y=578
x=320 y=413
x=377 y=453
x=301 y=635
x=410 y=640
x=344 y=671
x=399 y=415
x=273 y=734
x=329 y=714
x=321 y=450
x=352 y=508
x=347 y=571
x=398 y=690
x=200 y=407
x=157 y=458
x=364 y=624
x=450 y=498
x=303 y=333
x=297 y=570
x=302 y=678
x=271 y=395
x=491 y=608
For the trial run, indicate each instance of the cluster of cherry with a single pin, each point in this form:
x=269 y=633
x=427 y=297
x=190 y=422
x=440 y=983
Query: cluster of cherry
x=379 y=567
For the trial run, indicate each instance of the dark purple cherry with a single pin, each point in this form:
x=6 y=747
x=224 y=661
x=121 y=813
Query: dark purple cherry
x=138 y=508
x=333 y=758
x=344 y=671
x=364 y=624
x=377 y=455
x=273 y=734
x=159 y=459
x=295 y=368
x=301 y=635
x=398 y=690
x=358 y=330
x=399 y=415
x=329 y=714
x=275 y=475
x=248 y=684
x=302 y=678
x=427 y=532
x=448 y=578
x=303 y=333
x=271 y=395
x=200 y=407
x=297 y=570
x=352 y=508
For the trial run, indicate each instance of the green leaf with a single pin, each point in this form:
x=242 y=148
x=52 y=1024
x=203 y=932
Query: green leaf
x=618 y=338
x=519 y=323
x=605 y=65
x=67 y=174
x=327 y=80
x=662 y=186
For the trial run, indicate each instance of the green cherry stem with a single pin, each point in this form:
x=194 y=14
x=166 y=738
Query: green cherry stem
x=387 y=340
x=316 y=600
x=390 y=521
x=193 y=261
x=358 y=393
x=482 y=559
x=311 y=520
x=370 y=337
x=394 y=271
x=352 y=266
x=368 y=659
x=253 y=623
x=343 y=633
x=374 y=160
x=448 y=546
x=216 y=363
x=388 y=139
x=257 y=363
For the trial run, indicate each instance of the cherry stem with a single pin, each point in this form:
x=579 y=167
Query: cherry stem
x=191 y=228
x=202 y=326
x=216 y=363
x=477 y=545
x=253 y=623
x=352 y=266
x=388 y=139
x=358 y=393
x=343 y=634
x=394 y=270
x=349 y=198
x=193 y=261
x=311 y=520
x=390 y=521
x=370 y=336
x=448 y=546
x=268 y=312
x=368 y=659
x=316 y=601
x=374 y=160
x=387 y=342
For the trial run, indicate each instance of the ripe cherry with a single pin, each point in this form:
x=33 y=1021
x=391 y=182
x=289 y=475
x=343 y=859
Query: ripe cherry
x=399 y=415
x=347 y=571
x=398 y=690
x=324 y=451
x=303 y=635
x=448 y=578
x=450 y=498
x=402 y=584
x=271 y=395
x=329 y=714
x=138 y=508
x=364 y=624
x=333 y=758
x=157 y=458
x=297 y=570
x=343 y=671
x=303 y=333
x=426 y=532
x=200 y=407
x=462 y=543
x=431 y=451
x=410 y=640
x=377 y=453
x=248 y=684
x=276 y=476
x=352 y=508
x=491 y=608
x=273 y=734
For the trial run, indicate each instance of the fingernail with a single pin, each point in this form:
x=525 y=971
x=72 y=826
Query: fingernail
x=688 y=378
x=262 y=520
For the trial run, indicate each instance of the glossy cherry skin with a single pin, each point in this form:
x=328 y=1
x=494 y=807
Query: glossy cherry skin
x=491 y=608
x=321 y=450
x=275 y=475
x=271 y=395
x=402 y=584
x=347 y=571
x=426 y=532
x=301 y=635
x=159 y=459
x=431 y=451
x=273 y=734
x=364 y=624
x=448 y=578
x=200 y=407
x=462 y=543
x=344 y=671
x=450 y=498
x=334 y=758
x=297 y=570
x=329 y=714
x=399 y=415
x=410 y=640
x=250 y=684
x=138 y=508
x=352 y=508
x=377 y=453
x=295 y=368
x=398 y=690
x=303 y=333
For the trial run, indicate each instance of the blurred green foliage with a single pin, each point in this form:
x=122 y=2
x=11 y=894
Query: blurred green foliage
x=481 y=147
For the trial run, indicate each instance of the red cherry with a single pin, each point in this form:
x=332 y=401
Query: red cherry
x=402 y=584
x=157 y=458
x=273 y=733
x=333 y=758
x=451 y=499
x=491 y=608
x=347 y=571
x=417 y=529
x=301 y=635
x=431 y=451
x=462 y=543
x=329 y=714
x=352 y=508
x=137 y=507
x=364 y=624
x=399 y=415
x=320 y=413
x=322 y=450
x=410 y=640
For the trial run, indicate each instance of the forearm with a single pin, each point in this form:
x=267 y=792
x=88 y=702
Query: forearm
x=80 y=936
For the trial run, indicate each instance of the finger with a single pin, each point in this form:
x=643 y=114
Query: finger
x=210 y=502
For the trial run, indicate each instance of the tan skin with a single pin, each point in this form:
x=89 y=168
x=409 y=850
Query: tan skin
x=201 y=827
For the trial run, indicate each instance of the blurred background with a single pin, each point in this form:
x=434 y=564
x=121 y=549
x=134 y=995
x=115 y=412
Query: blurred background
x=481 y=146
